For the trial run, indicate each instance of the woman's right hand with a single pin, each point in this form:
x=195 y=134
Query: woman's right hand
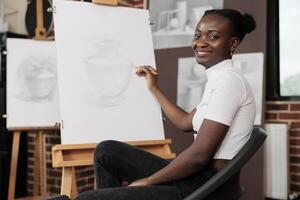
x=150 y=75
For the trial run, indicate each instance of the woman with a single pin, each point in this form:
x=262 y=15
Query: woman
x=223 y=120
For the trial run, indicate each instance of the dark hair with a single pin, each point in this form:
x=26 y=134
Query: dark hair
x=241 y=24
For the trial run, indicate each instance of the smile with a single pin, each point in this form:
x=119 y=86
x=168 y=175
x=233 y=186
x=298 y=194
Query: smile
x=203 y=53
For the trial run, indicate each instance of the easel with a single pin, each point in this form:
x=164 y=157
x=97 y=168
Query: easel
x=115 y=3
x=69 y=156
x=39 y=165
x=40 y=31
x=40 y=155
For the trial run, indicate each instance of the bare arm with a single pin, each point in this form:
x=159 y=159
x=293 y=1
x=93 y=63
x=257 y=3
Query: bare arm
x=194 y=158
x=175 y=114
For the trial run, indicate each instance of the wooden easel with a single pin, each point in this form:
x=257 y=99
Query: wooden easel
x=69 y=156
x=40 y=181
x=115 y=3
x=40 y=31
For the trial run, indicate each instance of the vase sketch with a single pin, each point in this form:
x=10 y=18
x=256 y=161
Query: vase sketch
x=109 y=72
x=36 y=79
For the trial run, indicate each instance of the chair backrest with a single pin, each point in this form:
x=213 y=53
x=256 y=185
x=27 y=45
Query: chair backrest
x=255 y=141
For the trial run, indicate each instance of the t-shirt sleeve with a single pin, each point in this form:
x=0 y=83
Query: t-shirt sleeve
x=225 y=100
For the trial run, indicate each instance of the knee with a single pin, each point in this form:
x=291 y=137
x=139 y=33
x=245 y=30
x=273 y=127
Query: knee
x=86 y=196
x=107 y=147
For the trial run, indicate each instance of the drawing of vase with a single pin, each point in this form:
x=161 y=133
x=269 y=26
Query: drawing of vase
x=41 y=85
x=37 y=79
x=109 y=72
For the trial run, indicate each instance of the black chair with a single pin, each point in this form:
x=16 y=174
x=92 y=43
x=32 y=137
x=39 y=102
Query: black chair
x=233 y=167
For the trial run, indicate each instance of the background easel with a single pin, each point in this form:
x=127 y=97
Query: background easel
x=40 y=31
x=40 y=181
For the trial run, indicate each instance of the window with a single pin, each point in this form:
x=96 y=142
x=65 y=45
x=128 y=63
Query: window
x=283 y=60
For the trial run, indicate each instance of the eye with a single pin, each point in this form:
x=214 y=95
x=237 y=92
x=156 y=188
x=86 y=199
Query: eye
x=213 y=36
x=197 y=36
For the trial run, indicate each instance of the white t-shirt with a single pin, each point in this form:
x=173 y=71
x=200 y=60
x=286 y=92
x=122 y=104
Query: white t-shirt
x=227 y=99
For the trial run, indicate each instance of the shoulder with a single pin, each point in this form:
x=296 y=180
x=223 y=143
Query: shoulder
x=229 y=78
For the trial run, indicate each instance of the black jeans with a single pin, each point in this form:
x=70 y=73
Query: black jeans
x=116 y=162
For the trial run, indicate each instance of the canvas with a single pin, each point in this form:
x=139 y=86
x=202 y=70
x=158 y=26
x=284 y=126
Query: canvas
x=101 y=97
x=32 y=93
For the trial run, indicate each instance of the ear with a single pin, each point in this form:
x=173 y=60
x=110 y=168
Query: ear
x=235 y=42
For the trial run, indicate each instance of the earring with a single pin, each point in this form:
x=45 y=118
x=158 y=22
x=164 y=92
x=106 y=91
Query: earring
x=231 y=51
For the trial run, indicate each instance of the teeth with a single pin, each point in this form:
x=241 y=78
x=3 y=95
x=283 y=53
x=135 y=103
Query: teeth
x=202 y=52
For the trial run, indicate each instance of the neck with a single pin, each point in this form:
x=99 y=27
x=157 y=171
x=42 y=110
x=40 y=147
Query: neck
x=209 y=65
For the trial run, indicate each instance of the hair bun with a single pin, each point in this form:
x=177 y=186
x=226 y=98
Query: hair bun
x=249 y=23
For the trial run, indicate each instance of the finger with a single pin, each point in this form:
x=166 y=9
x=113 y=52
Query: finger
x=132 y=185
x=152 y=70
x=142 y=70
x=147 y=68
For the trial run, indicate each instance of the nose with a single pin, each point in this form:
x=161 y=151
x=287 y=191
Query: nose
x=199 y=43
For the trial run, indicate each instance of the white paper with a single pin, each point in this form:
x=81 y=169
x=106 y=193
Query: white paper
x=252 y=67
x=190 y=84
x=101 y=97
x=32 y=94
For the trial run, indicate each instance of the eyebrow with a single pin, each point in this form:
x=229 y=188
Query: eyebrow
x=197 y=30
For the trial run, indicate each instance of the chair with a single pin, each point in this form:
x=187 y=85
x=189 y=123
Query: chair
x=255 y=141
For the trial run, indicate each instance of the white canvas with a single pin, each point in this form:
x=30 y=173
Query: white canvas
x=252 y=67
x=32 y=94
x=101 y=97
x=190 y=84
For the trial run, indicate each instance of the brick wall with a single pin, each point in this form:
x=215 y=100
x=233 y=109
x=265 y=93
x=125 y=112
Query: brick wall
x=84 y=175
x=283 y=112
x=288 y=112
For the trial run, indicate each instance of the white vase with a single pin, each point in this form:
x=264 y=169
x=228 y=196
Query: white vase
x=109 y=73
x=181 y=6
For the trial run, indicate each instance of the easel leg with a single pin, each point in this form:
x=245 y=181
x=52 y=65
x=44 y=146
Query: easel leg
x=37 y=168
x=40 y=182
x=13 y=165
x=66 y=181
x=74 y=191
x=43 y=166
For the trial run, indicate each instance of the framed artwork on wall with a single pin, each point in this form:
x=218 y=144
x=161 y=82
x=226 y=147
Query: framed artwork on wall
x=174 y=21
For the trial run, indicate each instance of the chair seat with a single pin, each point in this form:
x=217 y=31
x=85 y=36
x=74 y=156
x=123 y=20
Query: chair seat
x=226 y=193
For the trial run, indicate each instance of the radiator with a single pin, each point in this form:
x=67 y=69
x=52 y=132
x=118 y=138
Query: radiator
x=276 y=161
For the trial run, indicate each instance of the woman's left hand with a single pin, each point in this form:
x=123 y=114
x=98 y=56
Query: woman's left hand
x=140 y=182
